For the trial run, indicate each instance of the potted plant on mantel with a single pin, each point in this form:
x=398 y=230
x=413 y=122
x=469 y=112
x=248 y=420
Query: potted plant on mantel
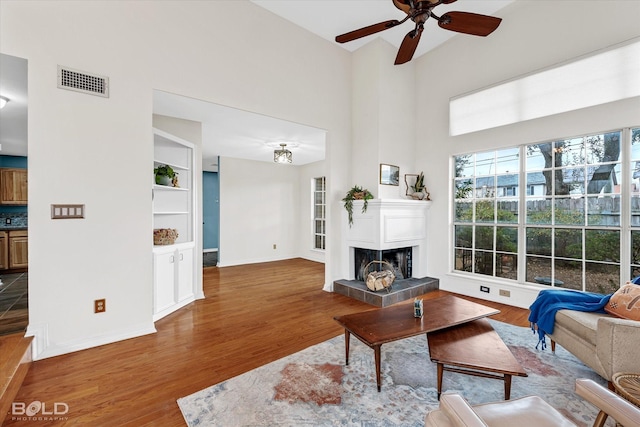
x=165 y=175
x=420 y=191
x=356 y=193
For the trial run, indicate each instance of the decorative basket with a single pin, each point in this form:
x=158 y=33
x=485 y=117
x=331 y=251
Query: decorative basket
x=164 y=236
x=380 y=280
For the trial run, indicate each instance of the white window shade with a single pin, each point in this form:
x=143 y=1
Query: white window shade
x=599 y=78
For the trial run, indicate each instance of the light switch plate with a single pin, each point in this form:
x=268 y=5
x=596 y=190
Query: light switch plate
x=67 y=211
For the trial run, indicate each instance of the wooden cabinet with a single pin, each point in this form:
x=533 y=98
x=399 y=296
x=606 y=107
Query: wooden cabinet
x=13 y=186
x=18 y=249
x=4 y=250
x=14 y=249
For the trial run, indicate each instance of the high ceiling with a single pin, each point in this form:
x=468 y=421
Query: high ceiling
x=329 y=18
x=234 y=133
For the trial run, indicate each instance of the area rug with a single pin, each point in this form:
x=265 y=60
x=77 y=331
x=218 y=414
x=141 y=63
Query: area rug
x=314 y=388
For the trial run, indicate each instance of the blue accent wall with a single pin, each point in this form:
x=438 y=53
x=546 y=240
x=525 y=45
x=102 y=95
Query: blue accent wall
x=18 y=162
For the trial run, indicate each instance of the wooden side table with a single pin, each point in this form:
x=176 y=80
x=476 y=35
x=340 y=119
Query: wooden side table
x=627 y=385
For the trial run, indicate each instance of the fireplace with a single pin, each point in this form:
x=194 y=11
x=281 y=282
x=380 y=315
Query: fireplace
x=391 y=230
x=399 y=260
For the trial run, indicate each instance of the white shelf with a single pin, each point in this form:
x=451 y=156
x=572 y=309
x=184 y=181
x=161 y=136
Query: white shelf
x=168 y=188
x=172 y=213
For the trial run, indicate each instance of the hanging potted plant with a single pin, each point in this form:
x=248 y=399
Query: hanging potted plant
x=356 y=193
x=165 y=175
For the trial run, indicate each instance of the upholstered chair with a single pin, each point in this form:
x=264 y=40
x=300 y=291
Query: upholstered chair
x=531 y=411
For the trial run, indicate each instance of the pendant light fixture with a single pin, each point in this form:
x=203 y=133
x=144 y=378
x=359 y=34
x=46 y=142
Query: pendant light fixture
x=282 y=155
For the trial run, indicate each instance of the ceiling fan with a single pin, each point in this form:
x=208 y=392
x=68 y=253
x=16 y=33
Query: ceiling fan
x=419 y=12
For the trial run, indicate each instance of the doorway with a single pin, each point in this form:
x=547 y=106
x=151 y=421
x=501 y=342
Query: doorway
x=210 y=218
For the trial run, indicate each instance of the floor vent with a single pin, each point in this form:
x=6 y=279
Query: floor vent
x=80 y=81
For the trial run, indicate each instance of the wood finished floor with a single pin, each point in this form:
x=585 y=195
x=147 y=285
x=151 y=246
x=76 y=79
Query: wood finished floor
x=252 y=315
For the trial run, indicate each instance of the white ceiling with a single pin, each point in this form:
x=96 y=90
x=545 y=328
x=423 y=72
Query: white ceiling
x=234 y=133
x=229 y=132
x=13 y=117
x=330 y=18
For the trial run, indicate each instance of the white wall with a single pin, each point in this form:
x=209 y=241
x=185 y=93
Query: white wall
x=383 y=97
x=259 y=208
x=532 y=36
x=228 y=52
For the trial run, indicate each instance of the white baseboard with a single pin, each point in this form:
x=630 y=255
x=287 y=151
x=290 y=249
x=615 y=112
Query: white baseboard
x=43 y=348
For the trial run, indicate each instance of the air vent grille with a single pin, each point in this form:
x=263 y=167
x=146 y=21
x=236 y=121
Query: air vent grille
x=80 y=81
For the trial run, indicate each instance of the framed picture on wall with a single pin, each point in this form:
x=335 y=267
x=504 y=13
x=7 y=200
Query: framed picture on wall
x=389 y=174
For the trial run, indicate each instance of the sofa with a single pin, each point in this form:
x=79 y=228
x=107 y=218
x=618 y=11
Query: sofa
x=604 y=342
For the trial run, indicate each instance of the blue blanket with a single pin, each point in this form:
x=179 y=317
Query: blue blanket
x=549 y=301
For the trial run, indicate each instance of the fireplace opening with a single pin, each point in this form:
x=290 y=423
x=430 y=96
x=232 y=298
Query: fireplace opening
x=400 y=260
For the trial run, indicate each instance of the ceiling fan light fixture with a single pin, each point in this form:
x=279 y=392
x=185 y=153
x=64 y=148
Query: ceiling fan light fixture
x=3 y=101
x=282 y=155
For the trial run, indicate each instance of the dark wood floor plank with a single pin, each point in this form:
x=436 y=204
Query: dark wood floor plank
x=252 y=315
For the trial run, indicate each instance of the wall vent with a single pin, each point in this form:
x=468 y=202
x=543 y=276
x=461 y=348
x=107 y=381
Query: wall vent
x=80 y=81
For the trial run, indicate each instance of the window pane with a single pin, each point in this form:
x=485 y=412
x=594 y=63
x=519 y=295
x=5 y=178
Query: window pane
x=569 y=211
x=464 y=236
x=602 y=245
x=603 y=211
x=507 y=185
x=635 y=247
x=568 y=274
x=604 y=179
x=464 y=260
x=568 y=243
x=508 y=161
x=485 y=211
x=484 y=238
x=485 y=163
x=570 y=152
x=507 y=239
x=539 y=241
x=507 y=266
x=539 y=156
x=464 y=165
x=485 y=187
x=538 y=270
x=602 y=278
x=568 y=181
x=484 y=263
x=536 y=184
x=539 y=211
x=635 y=210
x=463 y=189
x=463 y=211
x=508 y=211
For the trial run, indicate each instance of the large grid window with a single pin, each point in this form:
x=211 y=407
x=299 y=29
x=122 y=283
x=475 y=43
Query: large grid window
x=319 y=213
x=551 y=213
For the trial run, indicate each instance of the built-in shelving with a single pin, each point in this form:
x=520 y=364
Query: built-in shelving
x=174 y=208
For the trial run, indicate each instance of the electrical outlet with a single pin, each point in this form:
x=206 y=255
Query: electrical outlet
x=484 y=289
x=505 y=293
x=100 y=306
x=7 y=221
x=274 y=246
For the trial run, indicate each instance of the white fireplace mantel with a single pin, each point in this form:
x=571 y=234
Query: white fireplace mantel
x=388 y=224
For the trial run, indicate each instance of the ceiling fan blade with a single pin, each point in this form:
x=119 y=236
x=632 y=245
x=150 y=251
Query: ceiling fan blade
x=408 y=46
x=469 y=23
x=366 y=31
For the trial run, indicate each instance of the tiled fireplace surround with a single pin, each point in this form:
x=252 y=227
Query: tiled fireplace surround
x=387 y=224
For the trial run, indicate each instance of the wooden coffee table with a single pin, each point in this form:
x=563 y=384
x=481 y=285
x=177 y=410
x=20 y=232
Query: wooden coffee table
x=474 y=348
x=380 y=326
